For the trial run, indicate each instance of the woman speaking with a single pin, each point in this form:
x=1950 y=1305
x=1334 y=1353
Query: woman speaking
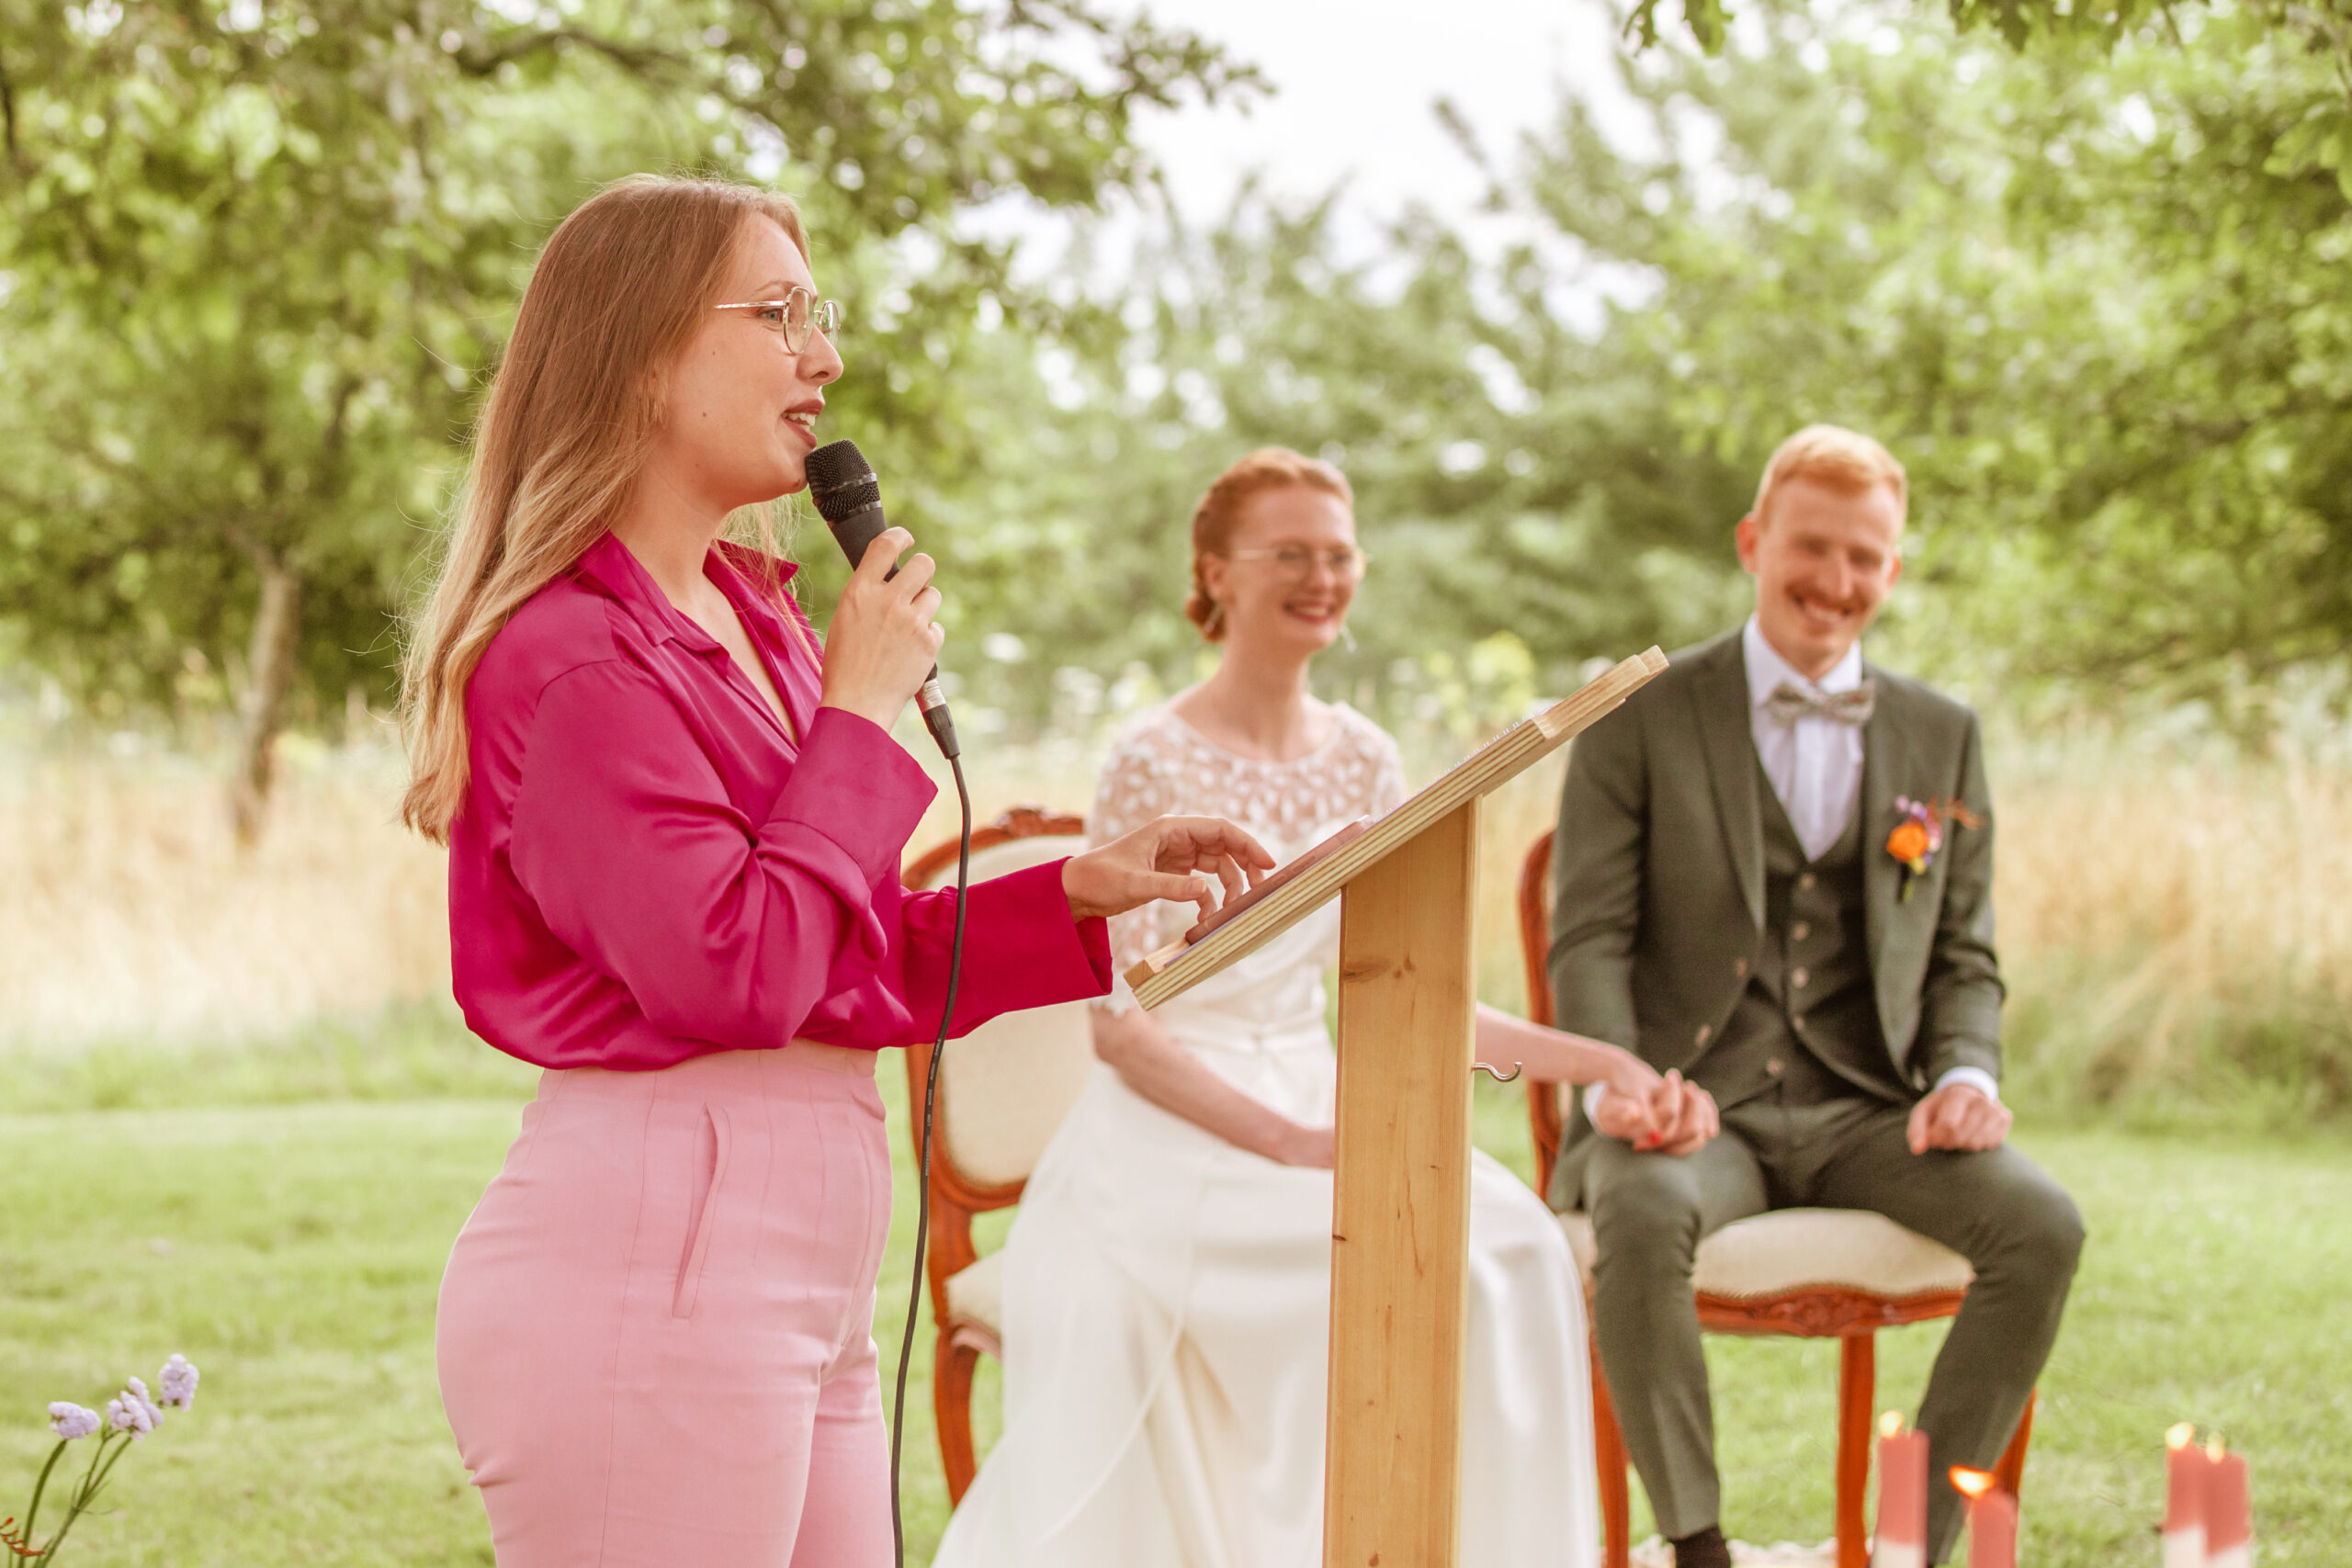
x=674 y=829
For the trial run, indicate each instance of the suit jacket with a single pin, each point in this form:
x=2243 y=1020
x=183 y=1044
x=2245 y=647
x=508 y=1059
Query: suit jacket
x=1657 y=872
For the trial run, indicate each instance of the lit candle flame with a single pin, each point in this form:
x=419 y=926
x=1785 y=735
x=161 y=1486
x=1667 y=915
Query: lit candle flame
x=2180 y=1435
x=2213 y=1446
x=1972 y=1482
x=1891 y=1424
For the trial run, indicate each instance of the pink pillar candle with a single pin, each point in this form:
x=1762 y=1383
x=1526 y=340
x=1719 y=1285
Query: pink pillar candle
x=2229 y=1513
x=1992 y=1519
x=2185 y=1468
x=1901 y=1538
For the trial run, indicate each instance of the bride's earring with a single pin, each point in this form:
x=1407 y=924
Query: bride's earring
x=1346 y=636
x=1210 y=627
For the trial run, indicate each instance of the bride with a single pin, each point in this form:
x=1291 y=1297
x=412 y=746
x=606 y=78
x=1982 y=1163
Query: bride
x=1168 y=1277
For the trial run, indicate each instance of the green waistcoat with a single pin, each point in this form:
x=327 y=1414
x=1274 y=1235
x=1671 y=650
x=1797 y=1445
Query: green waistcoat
x=1808 y=1023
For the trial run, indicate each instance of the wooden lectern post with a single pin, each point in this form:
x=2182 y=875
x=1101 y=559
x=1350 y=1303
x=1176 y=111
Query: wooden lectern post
x=1400 y=1224
x=1400 y=1228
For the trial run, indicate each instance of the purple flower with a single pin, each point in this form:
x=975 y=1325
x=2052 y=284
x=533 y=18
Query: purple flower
x=178 y=1380
x=132 y=1411
x=71 y=1421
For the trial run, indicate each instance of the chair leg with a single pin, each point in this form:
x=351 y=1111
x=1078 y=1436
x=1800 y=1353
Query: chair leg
x=951 y=1408
x=2011 y=1471
x=1856 y=1389
x=1609 y=1458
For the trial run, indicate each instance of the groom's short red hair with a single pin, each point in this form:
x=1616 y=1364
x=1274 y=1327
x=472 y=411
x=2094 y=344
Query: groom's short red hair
x=1831 y=455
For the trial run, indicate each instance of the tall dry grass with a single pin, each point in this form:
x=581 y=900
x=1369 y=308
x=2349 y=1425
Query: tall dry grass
x=127 y=910
x=2176 y=931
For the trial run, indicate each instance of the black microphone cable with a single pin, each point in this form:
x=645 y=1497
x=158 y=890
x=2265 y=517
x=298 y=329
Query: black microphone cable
x=922 y=1156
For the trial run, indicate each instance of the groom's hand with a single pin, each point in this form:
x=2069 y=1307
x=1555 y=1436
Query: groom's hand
x=1959 y=1116
x=1684 y=1115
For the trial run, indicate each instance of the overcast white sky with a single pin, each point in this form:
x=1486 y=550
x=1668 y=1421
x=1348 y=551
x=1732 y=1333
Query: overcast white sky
x=1354 y=87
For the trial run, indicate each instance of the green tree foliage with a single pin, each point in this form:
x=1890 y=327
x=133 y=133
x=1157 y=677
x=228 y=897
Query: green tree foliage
x=2096 y=303
x=2320 y=28
x=2094 y=299
x=259 y=253
x=1511 y=476
x=2091 y=294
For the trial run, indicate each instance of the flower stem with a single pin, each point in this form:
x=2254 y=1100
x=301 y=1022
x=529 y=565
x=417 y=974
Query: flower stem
x=32 y=1510
x=92 y=1479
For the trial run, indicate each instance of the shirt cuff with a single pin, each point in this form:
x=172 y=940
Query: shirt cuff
x=1045 y=967
x=856 y=786
x=1976 y=1078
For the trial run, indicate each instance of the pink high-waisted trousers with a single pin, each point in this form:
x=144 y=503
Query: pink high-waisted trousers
x=655 y=1333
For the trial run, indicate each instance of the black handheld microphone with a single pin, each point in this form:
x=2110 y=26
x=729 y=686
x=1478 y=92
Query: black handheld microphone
x=849 y=497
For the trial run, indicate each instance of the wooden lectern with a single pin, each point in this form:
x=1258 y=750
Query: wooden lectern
x=1400 y=1218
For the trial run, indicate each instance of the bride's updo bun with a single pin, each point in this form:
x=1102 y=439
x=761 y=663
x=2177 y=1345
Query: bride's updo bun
x=1267 y=468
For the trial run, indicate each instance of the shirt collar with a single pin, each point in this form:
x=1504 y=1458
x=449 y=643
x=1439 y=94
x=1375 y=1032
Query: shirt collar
x=1767 y=668
x=609 y=565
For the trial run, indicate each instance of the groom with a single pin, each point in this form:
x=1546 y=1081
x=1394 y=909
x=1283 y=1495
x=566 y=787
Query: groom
x=1774 y=872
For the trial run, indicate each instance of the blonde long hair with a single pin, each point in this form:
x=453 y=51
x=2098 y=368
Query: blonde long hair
x=622 y=286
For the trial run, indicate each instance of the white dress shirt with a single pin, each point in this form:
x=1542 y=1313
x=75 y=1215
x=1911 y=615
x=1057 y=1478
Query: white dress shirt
x=1815 y=766
x=1815 y=762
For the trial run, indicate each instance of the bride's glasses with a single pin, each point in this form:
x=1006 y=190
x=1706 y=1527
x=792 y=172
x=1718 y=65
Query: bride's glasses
x=1298 y=563
x=794 y=317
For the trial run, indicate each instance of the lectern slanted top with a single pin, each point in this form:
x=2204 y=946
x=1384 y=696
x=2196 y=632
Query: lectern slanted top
x=1401 y=1191
x=1177 y=968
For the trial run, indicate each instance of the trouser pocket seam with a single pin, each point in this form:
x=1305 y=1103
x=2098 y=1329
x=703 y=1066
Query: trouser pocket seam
x=690 y=1267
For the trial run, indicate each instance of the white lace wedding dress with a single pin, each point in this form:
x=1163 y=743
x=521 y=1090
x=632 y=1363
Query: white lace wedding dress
x=1168 y=1294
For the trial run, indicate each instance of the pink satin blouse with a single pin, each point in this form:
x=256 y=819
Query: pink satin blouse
x=649 y=867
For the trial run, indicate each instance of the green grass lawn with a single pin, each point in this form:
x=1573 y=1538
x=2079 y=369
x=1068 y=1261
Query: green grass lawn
x=292 y=1251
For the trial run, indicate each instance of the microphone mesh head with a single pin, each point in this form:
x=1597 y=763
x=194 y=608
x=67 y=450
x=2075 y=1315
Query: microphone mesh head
x=840 y=481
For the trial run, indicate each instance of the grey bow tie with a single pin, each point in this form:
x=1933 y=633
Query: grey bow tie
x=1790 y=703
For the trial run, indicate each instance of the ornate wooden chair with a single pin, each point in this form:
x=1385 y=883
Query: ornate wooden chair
x=1002 y=1090
x=1812 y=1273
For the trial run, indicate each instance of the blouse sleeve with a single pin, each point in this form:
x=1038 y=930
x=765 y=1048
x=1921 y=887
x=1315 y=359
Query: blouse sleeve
x=722 y=928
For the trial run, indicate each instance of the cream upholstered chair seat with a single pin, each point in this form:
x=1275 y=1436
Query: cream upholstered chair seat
x=976 y=1296
x=1800 y=1249
x=1003 y=1089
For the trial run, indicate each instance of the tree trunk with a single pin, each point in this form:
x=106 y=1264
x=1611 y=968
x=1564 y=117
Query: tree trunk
x=269 y=674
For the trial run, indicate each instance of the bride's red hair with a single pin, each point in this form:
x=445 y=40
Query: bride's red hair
x=1267 y=468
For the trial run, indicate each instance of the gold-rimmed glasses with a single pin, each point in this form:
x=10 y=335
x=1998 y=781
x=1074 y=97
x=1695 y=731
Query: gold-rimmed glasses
x=794 y=317
x=1298 y=562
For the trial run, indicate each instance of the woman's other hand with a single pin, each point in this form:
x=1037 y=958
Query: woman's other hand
x=882 y=641
x=1194 y=859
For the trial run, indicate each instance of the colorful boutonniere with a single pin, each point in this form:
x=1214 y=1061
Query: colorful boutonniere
x=1921 y=834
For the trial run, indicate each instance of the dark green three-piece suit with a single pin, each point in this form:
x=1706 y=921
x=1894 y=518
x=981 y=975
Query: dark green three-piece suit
x=1818 y=1005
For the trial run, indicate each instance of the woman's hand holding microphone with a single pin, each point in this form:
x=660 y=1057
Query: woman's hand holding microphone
x=884 y=640
x=881 y=647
